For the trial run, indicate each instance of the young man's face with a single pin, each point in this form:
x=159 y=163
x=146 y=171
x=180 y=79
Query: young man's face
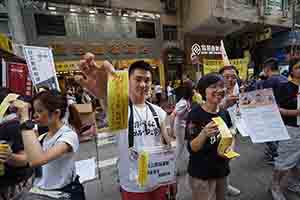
x=140 y=83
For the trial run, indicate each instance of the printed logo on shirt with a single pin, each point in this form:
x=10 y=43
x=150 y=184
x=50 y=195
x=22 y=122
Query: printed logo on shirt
x=146 y=128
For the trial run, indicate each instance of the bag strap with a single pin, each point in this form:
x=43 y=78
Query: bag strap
x=155 y=115
x=42 y=138
x=131 y=121
x=130 y=126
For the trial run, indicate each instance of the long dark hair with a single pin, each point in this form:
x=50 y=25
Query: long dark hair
x=53 y=100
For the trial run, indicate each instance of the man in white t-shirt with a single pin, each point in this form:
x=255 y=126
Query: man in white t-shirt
x=145 y=130
x=158 y=92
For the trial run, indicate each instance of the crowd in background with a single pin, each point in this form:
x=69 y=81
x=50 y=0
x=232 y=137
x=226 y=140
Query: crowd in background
x=47 y=153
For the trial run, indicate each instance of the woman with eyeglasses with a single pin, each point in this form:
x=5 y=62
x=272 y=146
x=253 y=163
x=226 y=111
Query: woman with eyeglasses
x=207 y=169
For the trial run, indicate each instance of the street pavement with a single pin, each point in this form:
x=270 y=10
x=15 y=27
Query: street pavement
x=249 y=173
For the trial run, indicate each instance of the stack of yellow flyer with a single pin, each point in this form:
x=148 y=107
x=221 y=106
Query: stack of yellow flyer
x=118 y=101
x=225 y=140
x=6 y=102
x=143 y=162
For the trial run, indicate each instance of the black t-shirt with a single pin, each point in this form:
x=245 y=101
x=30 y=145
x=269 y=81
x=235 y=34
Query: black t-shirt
x=288 y=100
x=206 y=163
x=11 y=133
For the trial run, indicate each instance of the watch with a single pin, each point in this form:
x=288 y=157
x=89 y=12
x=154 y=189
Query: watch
x=27 y=125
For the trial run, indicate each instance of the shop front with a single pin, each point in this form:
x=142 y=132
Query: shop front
x=14 y=72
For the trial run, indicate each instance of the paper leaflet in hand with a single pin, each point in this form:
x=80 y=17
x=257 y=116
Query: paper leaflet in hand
x=118 y=101
x=225 y=140
x=6 y=102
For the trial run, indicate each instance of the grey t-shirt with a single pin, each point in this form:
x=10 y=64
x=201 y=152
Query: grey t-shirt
x=60 y=172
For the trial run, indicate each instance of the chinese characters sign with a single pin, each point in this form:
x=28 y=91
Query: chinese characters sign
x=206 y=49
x=211 y=65
x=158 y=167
x=118 y=101
x=41 y=66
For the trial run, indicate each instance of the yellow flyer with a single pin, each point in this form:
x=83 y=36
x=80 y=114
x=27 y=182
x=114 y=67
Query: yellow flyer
x=5 y=103
x=143 y=162
x=118 y=101
x=226 y=139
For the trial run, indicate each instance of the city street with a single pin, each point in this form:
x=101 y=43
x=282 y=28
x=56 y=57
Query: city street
x=249 y=173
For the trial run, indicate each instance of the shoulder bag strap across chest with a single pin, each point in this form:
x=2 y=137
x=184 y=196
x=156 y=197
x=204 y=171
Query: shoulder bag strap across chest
x=131 y=122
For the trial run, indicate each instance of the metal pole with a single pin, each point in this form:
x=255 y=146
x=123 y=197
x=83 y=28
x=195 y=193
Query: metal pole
x=293 y=26
x=98 y=161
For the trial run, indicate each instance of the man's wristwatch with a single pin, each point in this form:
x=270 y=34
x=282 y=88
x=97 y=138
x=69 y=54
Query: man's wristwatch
x=27 y=125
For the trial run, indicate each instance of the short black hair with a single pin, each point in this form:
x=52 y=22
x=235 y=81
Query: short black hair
x=139 y=65
x=229 y=67
x=206 y=81
x=272 y=63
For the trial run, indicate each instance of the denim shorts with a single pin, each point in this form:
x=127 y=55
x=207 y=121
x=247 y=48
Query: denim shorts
x=289 y=151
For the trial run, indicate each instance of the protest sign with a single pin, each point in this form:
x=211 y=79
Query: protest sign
x=118 y=101
x=41 y=66
x=160 y=168
x=214 y=65
x=264 y=123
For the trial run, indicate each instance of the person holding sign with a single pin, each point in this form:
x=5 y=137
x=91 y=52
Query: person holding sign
x=207 y=169
x=53 y=154
x=146 y=123
x=287 y=164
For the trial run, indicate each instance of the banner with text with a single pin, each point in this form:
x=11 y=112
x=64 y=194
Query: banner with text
x=214 y=65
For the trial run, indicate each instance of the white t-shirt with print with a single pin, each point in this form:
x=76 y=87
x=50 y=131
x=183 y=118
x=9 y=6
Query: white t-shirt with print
x=60 y=172
x=142 y=140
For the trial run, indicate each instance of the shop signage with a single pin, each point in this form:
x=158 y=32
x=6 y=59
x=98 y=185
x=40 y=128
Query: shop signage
x=205 y=49
x=101 y=49
x=213 y=65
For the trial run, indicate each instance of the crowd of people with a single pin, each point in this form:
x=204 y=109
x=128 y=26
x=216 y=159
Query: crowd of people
x=49 y=158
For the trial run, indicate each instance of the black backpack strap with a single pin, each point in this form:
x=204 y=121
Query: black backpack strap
x=130 y=126
x=155 y=115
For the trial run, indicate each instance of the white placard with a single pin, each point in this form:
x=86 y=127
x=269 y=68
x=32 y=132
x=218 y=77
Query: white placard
x=261 y=115
x=86 y=169
x=161 y=167
x=41 y=66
